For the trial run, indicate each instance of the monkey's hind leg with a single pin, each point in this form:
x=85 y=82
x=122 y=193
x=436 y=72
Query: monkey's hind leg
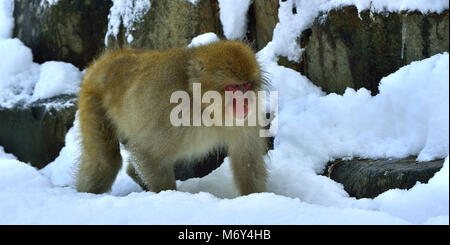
x=249 y=171
x=131 y=171
x=152 y=174
x=100 y=159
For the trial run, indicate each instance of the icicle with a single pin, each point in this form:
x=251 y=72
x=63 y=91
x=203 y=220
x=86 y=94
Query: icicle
x=403 y=35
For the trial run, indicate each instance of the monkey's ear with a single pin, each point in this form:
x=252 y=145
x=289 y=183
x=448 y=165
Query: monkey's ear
x=195 y=67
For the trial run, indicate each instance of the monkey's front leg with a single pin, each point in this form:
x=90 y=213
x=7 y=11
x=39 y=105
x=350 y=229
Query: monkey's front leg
x=249 y=170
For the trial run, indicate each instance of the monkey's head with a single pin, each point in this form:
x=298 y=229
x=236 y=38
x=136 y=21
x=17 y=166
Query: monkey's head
x=230 y=68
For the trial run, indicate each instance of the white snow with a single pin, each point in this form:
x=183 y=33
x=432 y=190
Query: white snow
x=393 y=5
x=126 y=12
x=4 y=155
x=48 y=3
x=423 y=203
x=410 y=111
x=62 y=170
x=57 y=78
x=194 y=2
x=204 y=39
x=18 y=73
x=410 y=116
x=233 y=16
x=27 y=197
x=22 y=81
x=290 y=26
x=18 y=175
x=6 y=19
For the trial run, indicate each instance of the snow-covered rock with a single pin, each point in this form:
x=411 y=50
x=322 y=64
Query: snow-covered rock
x=63 y=30
x=367 y=178
x=35 y=132
x=161 y=24
x=355 y=49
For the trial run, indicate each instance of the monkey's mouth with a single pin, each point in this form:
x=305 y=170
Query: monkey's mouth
x=240 y=112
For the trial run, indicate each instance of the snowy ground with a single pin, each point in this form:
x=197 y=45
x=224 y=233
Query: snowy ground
x=410 y=116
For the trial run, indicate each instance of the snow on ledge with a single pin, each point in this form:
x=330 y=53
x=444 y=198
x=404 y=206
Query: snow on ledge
x=128 y=13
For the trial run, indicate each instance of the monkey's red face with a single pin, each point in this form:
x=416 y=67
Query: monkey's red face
x=240 y=101
x=239 y=87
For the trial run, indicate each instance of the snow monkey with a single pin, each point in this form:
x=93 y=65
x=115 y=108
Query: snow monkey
x=125 y=97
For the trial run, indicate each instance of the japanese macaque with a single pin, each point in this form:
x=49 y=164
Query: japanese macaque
x=125 y=97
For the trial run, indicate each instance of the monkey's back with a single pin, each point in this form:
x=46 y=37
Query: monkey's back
x=133 y=85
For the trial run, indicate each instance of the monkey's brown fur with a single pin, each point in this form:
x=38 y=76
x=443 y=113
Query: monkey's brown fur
x=125 y=96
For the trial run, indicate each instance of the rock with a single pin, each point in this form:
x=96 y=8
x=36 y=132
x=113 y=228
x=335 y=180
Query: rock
x=35 y=133
x=350 y=50
x=283 y=61
x=364 y=178
x=70 y=31
x=265 y=14
x=171 y=24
